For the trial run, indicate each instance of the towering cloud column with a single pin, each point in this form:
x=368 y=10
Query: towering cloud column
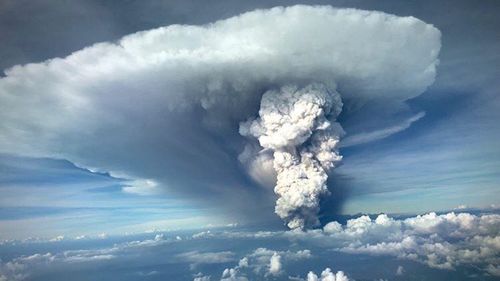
x=298 y=124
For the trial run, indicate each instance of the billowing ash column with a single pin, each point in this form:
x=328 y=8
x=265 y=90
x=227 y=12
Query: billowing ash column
x=299 y=126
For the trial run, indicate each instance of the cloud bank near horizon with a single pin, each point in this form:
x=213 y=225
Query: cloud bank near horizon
x=445 y=242
x=163 y=106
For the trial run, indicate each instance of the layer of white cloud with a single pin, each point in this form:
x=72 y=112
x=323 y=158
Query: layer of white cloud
x=21 y=268
x=439 y=241
x=444 y=241
x=195 y=257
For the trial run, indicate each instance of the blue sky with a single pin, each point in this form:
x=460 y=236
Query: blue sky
x=447 y=158
x=42 y=197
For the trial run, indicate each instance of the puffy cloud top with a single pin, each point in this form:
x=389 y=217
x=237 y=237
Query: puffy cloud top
x=327 y=275
x=441 y=241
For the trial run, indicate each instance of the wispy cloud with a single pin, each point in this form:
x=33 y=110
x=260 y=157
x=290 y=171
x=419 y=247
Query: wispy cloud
x=367 y=137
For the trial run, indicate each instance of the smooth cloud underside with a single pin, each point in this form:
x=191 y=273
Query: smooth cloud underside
x=164 y=105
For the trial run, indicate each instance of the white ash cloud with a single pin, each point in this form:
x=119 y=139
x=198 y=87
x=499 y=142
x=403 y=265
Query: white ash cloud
x=298 y=126
x=155 y=105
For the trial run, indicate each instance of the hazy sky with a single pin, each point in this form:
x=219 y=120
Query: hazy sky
x=409 y=151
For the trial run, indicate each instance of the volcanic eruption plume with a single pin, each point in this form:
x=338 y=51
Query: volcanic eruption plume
x=299 y=126
x=162 y=107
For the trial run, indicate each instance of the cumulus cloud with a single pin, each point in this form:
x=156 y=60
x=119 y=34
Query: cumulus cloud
x=275 y=264
x=232 y=274
x=20 y=268
x=270 y=262
x=493 y=269
x=23 y=267
x=445 y=241
x=201 y=277
x=164 y=105
x=327 y=275
x=448 y=241
x=235 y=274
x=400 y=270
x=439 y=241
x=263 y=264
